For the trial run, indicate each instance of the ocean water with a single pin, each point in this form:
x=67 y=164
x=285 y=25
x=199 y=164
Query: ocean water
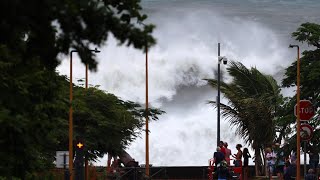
x=254 y=32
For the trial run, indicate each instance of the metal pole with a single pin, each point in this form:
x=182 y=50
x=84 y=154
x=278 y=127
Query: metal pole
x=298 y=113
x=147 y=117
x=305 y=158
x=298 y=110
x=71 y=122
x=71 y=113
x=218 y=99
x=86 y=87
x=64 y=161
x=86 y=170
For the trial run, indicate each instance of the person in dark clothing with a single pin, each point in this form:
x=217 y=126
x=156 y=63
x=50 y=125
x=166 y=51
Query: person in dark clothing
x=310 y=175
x=313 y=158
x=218 y=156
x=280 y=160
x=288 y=171
x=246 y=156
x=223 y=171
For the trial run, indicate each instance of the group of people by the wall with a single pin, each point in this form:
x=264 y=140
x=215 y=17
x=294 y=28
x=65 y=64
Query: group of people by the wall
x=223 y=158
x=279 y=161
x=283 y=163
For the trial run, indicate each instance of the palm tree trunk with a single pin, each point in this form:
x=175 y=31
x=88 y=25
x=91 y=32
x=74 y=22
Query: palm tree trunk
x=257 y=161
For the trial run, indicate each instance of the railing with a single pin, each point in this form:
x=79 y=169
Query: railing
x=211 y=168
x=127 y=172
x=162 y=169
x=135 y=173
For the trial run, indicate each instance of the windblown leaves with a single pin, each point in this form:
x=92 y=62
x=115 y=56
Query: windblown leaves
x=252 y=100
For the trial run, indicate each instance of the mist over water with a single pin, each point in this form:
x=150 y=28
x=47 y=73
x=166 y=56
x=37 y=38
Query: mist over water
x=187 y=33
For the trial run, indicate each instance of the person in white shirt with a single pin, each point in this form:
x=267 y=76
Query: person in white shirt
x=293 y=157
x=271 y=160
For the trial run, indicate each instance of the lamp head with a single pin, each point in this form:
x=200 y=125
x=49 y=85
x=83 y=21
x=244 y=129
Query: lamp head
x=223 y=59
x=96 y=50
x=292 y=46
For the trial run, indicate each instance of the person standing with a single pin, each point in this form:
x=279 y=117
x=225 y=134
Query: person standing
x=280 y=159
x=246 y=156
x=228 y=153
x=238 y=156
x=293 y=161
x=270 y=157
x=223 y=171
x=311 y=175
x=218 y=156
x=222 y=147
x=313 y=158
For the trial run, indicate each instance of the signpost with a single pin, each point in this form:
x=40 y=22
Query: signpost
x=306 y=132
x=306 y=110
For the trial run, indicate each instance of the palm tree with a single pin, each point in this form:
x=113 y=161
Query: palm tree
x=253 y=98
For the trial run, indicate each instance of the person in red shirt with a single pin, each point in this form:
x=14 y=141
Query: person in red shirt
x=228 y=153
x=223 y=149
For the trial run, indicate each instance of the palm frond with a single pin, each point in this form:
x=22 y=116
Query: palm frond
x=252 y=99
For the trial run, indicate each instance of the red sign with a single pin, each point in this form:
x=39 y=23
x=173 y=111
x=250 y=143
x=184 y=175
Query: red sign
x=306 y=110
x=306 y=132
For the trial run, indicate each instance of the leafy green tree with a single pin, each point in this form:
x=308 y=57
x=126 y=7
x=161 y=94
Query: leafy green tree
x=45 y=29
x=29 y=110
x=106 y=123
x=103 y=121
x=252 y=101
x=33 y=102
x=309 y=63
x=309 y=80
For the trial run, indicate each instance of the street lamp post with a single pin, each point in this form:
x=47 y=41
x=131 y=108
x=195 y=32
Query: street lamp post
x=71 y=112
x=86 y=87
x=95 y=51
x=220 y=58
x=147 y=116
x=147 y=110
x=298 y=108
x=71 y=121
